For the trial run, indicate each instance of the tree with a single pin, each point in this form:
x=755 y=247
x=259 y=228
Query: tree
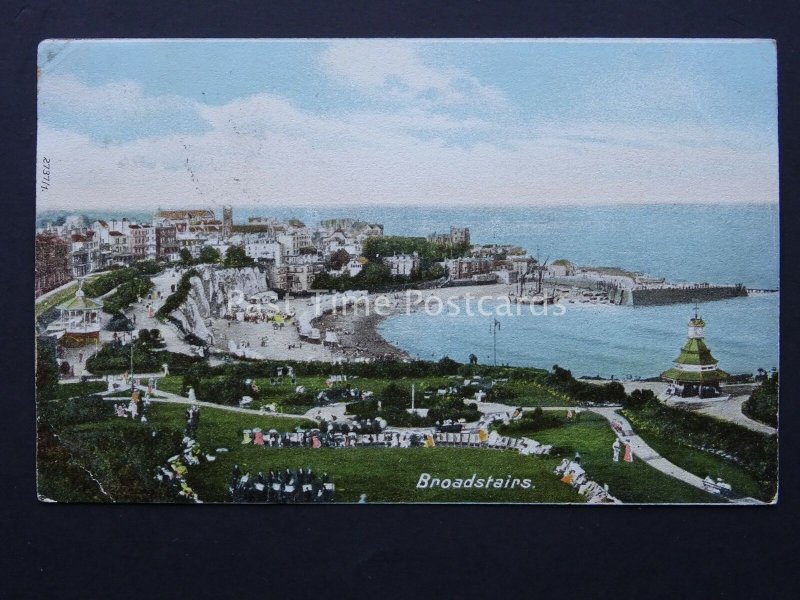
x=447 y=366
x=209 y=254
x=339 y=259
x=638 y=399
x=46 y=367
x=613 y=393
x=236 y=257
x=186 y=257
x=119 y=322
x=375 y=274
x=151 y=339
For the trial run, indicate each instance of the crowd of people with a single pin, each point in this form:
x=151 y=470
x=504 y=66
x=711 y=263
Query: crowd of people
x=174 y=472
x=574 y=475
x=373 y=433
x=281 y=486
x=135 y=408
x=316 y=438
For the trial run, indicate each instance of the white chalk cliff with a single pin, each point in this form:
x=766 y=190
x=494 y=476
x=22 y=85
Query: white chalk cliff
x=211 y=291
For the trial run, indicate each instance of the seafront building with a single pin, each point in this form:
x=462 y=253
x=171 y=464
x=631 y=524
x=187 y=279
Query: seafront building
x=52 y=265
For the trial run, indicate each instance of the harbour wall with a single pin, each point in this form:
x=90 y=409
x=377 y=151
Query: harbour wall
x=675 y=295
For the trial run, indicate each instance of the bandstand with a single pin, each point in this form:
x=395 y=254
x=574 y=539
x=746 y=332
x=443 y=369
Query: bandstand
x=79 y=321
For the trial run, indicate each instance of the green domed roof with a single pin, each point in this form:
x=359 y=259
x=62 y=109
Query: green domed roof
x=695 y=352
x=80 y=302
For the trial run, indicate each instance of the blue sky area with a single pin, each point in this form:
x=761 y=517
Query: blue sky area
x=505 y=121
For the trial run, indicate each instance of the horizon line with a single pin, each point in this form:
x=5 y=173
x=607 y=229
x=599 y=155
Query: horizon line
x=477 y=204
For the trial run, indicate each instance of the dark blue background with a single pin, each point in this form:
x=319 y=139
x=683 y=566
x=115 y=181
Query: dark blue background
x=77 y=551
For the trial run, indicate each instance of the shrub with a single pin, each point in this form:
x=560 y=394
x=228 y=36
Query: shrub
x=179 y=296
x=117 y=359
x=762 y=405
x=236 y=257
x=46 y=367
x=532 y=421
x=638 y=399
x=126 y=294
x=754 y=451
x=119 y=322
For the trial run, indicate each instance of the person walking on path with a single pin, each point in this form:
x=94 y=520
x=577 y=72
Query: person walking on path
x=628 y=452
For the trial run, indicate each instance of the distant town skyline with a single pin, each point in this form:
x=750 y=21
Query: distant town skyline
x=136 y=125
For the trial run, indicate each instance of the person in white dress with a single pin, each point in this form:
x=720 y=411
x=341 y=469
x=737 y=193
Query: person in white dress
x=616 y=447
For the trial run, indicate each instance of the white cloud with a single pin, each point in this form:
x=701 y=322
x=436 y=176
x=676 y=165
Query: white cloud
x=263 y=149
x=395 y=70
x=114 y=112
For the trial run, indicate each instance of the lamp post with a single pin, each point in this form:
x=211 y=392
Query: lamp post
x=495 y=326
x=132 y=384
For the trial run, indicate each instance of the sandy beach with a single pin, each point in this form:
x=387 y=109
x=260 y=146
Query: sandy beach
x=356 y=326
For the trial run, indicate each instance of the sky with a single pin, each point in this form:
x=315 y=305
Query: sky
x=136 y=125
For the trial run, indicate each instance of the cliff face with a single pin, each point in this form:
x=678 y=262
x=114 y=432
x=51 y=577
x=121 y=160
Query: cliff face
x=211 y=292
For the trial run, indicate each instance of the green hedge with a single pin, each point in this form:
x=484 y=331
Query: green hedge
x=762 y=405
x=117 y=359
x=108 y=281
x=127 y=293
x=179 y=296
x=532 y=421
x=756 y=452
x=562 y=380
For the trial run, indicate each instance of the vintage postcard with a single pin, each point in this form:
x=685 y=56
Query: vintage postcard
x=407 y=271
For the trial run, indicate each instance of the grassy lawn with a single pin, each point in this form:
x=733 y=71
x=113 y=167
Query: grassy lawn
x=171 y=383
x=385 y=475
x=630 y=482
x=528 y=393
x=391 y=475
x=514 y=393
x=70 y=390
x=702 y=463
x=56 y=299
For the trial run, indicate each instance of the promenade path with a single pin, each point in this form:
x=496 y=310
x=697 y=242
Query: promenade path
x=731 y=410
x=639 y=447
x=170 y=398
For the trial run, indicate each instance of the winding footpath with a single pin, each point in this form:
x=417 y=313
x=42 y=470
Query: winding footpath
x=170 y=398
x=640 y=448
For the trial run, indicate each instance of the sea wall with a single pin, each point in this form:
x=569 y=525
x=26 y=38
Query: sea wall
x=676 y=295
x=210 y=293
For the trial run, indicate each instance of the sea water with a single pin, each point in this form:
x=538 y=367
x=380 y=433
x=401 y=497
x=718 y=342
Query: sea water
x=699 y=243
x=592 y=340
x=714 y=243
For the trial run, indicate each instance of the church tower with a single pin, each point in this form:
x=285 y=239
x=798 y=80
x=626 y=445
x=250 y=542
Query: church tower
x=227 y=221
x=695 y=371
